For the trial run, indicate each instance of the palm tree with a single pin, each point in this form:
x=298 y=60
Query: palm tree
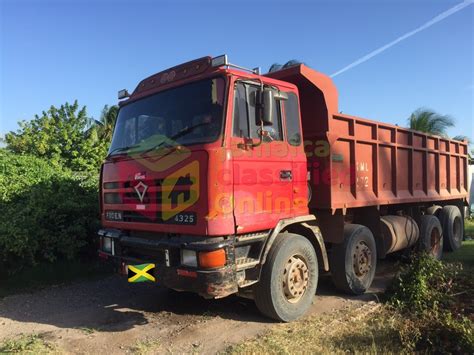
x=428 y=121
x=103 y=128
x=462 y=138
x=107 y=121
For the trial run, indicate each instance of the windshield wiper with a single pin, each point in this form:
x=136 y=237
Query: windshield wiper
x=183 y=132
x=120 y=149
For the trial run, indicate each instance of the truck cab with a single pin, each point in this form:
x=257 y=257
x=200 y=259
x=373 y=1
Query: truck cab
x=206 y=161
x=209 y=187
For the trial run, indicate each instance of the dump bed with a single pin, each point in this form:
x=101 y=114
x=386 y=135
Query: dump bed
x=355 y=162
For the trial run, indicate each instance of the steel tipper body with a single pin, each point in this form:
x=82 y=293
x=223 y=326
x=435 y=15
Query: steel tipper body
x=220 y=180
x=371 y=162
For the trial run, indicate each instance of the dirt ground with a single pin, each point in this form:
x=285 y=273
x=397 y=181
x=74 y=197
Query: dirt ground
x=112 y=316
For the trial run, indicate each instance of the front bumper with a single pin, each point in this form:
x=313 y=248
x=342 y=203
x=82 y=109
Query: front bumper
x=165 y=254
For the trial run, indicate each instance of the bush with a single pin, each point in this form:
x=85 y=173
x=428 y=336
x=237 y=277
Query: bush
x=424 y=284
x=47 y=212
x=427 y=293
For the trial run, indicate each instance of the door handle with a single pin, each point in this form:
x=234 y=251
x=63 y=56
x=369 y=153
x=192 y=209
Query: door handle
x=286 y=175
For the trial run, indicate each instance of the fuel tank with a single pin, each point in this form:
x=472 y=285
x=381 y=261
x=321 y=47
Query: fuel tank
x=399 y=232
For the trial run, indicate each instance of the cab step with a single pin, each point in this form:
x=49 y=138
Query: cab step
x=246 y=263
x=247 y=283
x=250 y=238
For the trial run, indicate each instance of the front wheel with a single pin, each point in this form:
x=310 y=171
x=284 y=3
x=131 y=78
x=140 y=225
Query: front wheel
x=353 y=262
x=289 y=278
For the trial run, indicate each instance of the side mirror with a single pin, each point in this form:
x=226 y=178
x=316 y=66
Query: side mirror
x=265 y=106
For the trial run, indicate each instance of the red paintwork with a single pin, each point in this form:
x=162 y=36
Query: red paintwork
x=229 y=176
x=370 y=163
x=125 y=170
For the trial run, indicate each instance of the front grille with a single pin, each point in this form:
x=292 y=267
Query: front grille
x=111 y=185
x=149 y=182
x=154 y=217
x=143 y=217
x=125 y=194
x=112 y=198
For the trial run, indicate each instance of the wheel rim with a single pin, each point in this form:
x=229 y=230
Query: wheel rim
x=435 y=239
x=295 y=278
x=362 y=259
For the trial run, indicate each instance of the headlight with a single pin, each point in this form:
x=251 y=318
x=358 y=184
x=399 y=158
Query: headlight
x=107 y=244
x=188 y=258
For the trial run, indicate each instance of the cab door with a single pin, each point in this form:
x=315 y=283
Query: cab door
x=294 y=137
x=262 y=174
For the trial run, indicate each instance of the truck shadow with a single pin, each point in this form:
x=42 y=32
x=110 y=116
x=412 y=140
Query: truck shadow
x=111 y=304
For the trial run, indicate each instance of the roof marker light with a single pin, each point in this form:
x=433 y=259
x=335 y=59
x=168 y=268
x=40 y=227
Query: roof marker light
x=123 y=94
x=220 y=61
x=223 y=61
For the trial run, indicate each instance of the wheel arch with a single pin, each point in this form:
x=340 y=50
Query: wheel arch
x=304 y=226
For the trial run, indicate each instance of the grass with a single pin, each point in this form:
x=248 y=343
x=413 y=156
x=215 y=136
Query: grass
x=27 y=344
x=372 y=328
x=47 y=274
x=380 y=328
x=145 y=346
x=87 y=330
x=465 y=254
x=469 y=228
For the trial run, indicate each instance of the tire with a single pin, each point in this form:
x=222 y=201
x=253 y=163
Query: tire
x=434 y=210
x=353 y=262
x=431 y=236
x=453 y=227
x=272 y=293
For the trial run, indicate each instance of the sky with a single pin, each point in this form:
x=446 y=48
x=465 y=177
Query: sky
x=389 y=57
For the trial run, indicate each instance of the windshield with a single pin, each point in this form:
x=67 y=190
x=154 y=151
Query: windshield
x=184 y=115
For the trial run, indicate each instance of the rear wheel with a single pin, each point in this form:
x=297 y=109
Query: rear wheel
x=453 y=227
x=289 y=278
x=353 y=262
x=431 y=236
x=434 y=210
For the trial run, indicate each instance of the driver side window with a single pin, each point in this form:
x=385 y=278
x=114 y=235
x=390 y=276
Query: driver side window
x=240 y=116
x=245 y=121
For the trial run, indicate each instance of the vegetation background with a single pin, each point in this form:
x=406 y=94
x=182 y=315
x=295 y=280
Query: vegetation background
x=49 y=203
x=49 y=173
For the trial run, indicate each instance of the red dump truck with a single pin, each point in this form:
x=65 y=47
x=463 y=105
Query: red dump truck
x=223 y=181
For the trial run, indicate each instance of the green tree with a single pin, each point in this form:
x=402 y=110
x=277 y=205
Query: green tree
x=59 y=135
x=103 y=128
x=428 y=121
x=48 y=213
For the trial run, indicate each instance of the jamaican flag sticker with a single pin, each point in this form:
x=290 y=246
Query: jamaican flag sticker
x=141 y=273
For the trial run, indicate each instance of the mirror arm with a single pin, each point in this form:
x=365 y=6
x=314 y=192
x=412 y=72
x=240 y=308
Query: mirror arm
x=252 y=145
x=261 y=136
x=260 y=141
